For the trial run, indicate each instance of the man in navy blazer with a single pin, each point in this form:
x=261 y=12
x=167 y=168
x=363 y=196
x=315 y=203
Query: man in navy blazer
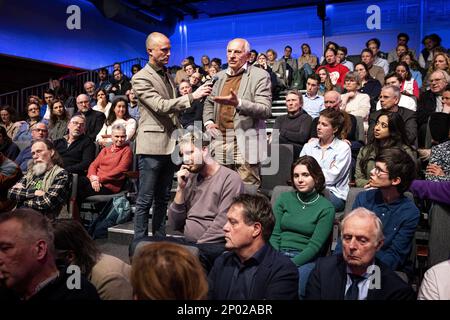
x=252 y=270
x=356 y=274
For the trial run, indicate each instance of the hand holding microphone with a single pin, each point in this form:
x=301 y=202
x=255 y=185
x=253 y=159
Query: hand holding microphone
x=205 y=89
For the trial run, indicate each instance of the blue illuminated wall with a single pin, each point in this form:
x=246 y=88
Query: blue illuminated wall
x=346 y=25
x=37 y=30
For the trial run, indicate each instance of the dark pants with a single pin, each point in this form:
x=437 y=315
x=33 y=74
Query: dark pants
x=155 y=182
x=207 y=252
x=85 y=190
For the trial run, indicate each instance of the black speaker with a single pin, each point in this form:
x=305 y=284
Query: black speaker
x=321 y=13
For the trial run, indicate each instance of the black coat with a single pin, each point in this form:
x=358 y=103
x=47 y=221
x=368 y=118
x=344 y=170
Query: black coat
x=78 y=156
x=328 y=279
x=94 y=123
x=275 y=279
x=425 y=107
x=58 y=290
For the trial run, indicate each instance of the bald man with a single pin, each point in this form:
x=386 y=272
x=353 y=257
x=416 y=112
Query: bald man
x=159 y=108
x=236 y=115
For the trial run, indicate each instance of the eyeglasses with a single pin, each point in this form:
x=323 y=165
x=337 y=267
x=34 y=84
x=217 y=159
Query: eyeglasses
x=80 y=124
x=33 y=109
x=378 y=171
x=40 y=130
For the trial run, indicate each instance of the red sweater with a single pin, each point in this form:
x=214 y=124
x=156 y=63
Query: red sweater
x=110 y=167
x=337 y=73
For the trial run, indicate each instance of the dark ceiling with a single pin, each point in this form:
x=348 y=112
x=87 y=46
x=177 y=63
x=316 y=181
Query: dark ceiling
x=160 y=15
x=211 y=8
x=214 y=8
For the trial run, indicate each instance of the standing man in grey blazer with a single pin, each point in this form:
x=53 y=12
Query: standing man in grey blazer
x=159 y=108
x=236 y=115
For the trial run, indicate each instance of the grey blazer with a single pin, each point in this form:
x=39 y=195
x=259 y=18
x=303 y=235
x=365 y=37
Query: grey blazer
x=256 y=106
x=159 y=113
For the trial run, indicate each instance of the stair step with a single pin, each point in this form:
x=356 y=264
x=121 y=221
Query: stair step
x=123 y=233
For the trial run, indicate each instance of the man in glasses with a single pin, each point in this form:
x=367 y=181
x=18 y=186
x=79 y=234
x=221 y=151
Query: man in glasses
x=393 y=174
x=431 y=101
x=77 y=150
x=94 y=119
x=39 y=131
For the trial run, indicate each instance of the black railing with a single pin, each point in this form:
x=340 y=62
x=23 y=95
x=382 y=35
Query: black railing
x=72 y=84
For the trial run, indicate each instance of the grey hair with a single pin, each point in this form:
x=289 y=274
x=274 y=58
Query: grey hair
x=300 y=97
x=246 y=44
x=352 y=75
x=334 y=92
x=78 y=115
x=444 y=74
x=395 y=89
x=119 y=127
x=89 y=82
x=365 y=213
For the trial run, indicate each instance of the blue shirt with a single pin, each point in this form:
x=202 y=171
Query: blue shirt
x=23 y=158
x=313 y=105
x=399 y=218
x=335 y=162
x=134 y=112
x=24 y=131
x=43 y=110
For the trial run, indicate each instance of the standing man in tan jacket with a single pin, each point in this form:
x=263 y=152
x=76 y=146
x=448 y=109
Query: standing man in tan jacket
x=236 y=115
x=159 y=108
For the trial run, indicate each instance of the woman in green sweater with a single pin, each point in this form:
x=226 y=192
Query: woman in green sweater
x=303 y=218
x=389 y=132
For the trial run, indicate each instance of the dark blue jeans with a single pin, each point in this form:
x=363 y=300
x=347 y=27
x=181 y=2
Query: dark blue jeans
x=303 y=272
x=155 y=181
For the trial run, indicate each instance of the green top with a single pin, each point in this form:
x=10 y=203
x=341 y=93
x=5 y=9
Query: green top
x=300 y=226
x=362 y=178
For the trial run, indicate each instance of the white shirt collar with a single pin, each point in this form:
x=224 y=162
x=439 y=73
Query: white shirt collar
x=230 y=71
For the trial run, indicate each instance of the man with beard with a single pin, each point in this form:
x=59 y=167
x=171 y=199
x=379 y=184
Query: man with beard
x=77 y=150
x=45 y=185
x=205 y=192
x=39 y=131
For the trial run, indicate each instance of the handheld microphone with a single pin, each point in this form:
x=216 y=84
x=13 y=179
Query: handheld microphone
x=212 y=81
x=209 y=83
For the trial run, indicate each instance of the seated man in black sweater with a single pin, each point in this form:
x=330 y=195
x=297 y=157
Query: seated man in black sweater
x=76 y=149
x=94 y=119
x=294 y=127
